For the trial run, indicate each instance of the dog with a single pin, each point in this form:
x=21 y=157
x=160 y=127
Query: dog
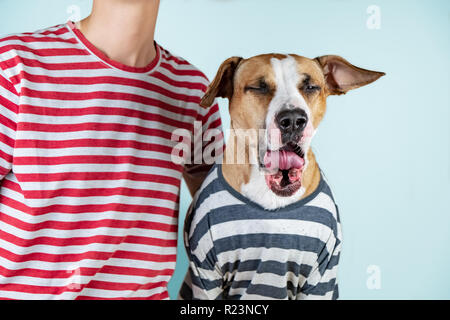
x=268 y=227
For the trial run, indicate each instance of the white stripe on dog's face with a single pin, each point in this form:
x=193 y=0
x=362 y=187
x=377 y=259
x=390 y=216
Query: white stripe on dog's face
x=287 y=81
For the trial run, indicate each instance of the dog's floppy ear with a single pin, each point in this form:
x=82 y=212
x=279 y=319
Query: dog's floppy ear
x=341 y=76
x=222 y=85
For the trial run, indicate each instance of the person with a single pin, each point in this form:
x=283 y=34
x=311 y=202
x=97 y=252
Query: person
x=89 y=193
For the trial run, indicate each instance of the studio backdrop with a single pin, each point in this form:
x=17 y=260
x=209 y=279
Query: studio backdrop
x=383 y=148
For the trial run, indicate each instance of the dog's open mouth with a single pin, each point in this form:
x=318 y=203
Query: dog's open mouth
x=284 y=169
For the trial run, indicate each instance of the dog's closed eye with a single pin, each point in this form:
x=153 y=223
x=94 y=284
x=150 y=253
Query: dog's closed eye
x=308 y=87
x=261 y=87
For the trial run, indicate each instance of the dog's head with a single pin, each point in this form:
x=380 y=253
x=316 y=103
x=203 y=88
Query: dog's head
x=285 y=95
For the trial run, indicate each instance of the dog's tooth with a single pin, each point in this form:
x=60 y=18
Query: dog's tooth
x=298 y=150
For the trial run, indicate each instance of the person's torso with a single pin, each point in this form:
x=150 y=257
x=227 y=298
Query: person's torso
x=90 y=206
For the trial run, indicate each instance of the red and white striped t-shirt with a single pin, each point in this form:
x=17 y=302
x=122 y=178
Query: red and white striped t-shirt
x=89 y=194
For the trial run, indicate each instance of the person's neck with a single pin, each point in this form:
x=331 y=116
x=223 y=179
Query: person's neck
x=123 y=30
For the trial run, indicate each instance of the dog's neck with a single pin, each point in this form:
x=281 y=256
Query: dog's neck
x=239 y=177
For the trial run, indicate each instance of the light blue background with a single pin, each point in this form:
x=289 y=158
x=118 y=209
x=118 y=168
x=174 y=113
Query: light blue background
x=384 y=148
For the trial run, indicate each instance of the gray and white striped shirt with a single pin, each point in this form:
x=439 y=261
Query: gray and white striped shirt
x=239 y=250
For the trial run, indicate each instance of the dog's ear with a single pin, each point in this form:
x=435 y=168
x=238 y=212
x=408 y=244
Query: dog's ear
x=341 y=76
x=222 y=85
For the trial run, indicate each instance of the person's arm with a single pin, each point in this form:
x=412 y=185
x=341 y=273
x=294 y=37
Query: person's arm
x=9 y=100
x=211 y=147
x=195 y=180
x=321 y=283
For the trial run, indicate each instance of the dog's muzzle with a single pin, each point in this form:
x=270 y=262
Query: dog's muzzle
x=291 y=122
x=284 y=165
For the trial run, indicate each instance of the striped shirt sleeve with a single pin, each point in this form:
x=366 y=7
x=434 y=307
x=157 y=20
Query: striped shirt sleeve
x=321 y=283
x=204 y=279
x=8 y=123
x=208 y=145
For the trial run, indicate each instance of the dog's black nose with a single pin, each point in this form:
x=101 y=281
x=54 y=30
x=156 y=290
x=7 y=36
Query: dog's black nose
x=291 y=123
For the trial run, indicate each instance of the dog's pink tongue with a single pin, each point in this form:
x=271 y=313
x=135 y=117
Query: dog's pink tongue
x=283 y=160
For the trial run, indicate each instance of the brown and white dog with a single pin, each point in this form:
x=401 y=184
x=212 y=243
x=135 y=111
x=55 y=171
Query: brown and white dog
x=285 y=96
